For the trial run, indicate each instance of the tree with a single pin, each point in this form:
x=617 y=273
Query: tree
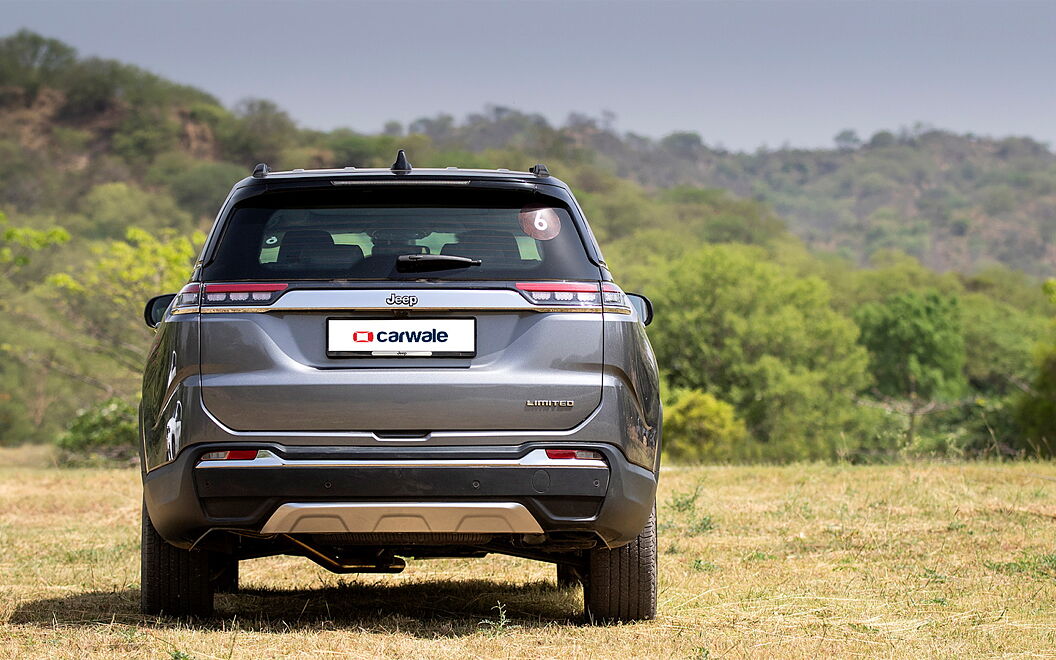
x=753 y=334
x=30 y=61
x=112 y=208
x=18 y=414
x=16 y=246
x=95 y=313
x=440 y=128
x=684 y=144
x=847 y=140
x=999 y=344
x=882 y=139
x=104 y=302
x=144 y=135
x=917 y=354
x=352 y=149
x=1036 y=409
x=259 y=133
x=1035 y=412
x=202 y=187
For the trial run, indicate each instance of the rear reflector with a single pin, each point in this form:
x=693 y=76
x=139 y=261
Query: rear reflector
x=561 y=293
x=573 y=454
x=233 y=455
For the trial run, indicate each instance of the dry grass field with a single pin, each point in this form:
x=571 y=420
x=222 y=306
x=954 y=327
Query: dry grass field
x=927 y=560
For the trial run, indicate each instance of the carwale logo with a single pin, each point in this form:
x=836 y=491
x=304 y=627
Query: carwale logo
x=393 y=299
x=427 y=336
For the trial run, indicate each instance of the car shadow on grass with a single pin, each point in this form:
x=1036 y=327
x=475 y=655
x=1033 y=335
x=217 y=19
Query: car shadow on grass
x=441 y=608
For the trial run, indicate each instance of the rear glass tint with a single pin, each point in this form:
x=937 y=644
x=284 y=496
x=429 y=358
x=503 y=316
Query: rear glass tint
x=343 y=235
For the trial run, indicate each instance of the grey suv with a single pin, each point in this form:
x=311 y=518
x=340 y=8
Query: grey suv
x=370 y=365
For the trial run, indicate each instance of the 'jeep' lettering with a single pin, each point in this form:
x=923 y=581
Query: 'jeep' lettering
x=393 y=299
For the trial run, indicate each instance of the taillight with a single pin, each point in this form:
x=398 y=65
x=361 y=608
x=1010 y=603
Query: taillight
x=187 y=297
x=613 y=296
x=242 y=294
x=570 y=294
x=573 y=454
x=233 y=455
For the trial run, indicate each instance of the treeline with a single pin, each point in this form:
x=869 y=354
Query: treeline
x=956 y=202
x=771 y=350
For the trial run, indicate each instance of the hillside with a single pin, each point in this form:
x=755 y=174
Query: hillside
x=781 y=279
x=956 y=202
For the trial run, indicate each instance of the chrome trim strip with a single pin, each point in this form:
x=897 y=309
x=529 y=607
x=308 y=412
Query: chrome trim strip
x=259 y=310
x=379 y=297
x=534 y=458
x=423 y=517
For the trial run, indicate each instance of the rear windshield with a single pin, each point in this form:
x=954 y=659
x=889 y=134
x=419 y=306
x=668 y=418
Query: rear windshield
x=359 y=235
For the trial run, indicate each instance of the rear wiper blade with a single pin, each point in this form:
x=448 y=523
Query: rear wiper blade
x=420 y=263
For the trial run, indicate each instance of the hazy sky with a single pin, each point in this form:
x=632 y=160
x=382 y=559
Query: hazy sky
x=741 y=74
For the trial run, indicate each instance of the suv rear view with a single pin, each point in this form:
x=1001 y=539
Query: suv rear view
x=370 y=365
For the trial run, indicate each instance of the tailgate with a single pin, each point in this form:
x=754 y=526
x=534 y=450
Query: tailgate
x=524 y=368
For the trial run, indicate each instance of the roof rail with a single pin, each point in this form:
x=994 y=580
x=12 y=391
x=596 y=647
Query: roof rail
x=402 y=165
x=539 y=170
x=260 y=171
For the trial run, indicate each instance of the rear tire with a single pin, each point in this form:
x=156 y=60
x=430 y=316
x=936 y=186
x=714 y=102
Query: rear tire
x=173 y=581
x=622 y=582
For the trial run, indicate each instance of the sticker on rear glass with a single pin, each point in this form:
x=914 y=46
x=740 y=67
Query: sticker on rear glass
x=540 y=222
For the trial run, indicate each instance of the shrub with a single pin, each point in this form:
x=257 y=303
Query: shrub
x=698 y=427
x=1036 y=411
x=113 y=208
x=104 y=432
x=144 y=135
x=201 y=188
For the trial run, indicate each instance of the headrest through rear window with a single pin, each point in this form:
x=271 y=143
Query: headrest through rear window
x=484 y=243
x=304 y=245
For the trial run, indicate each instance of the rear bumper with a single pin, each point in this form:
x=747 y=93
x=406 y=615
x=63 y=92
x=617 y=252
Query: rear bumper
x=612 y=500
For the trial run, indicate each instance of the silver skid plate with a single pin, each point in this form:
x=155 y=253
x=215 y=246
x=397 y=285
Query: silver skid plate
x=425 y=517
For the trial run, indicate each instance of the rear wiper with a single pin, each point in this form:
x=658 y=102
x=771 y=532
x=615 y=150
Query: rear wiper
x=420 y=263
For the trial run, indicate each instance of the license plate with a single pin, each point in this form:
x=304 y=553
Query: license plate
x=401 y=337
